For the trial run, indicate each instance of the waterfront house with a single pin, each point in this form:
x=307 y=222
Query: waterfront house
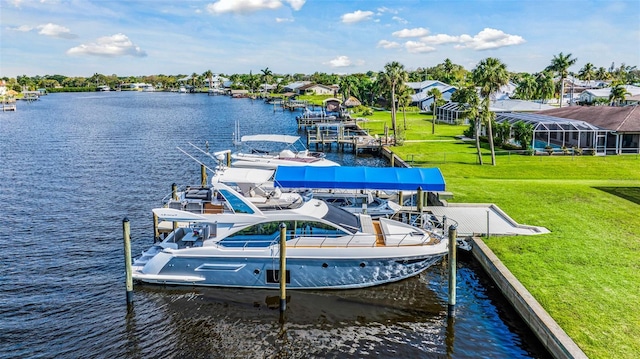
x=293 y=86
x=421 y=97
x=591 y=95
x=316 y=89
x=3 y=87
x=598 y=130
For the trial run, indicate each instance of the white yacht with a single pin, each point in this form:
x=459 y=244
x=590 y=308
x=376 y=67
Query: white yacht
x=230 y=242
x=294 y=153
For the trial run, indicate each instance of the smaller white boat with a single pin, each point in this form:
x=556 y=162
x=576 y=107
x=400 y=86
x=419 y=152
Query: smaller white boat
x=294 y=153
x=182 y=89
x=354 y=201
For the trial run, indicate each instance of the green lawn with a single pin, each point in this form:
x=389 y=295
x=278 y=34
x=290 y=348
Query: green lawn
x=586 y=272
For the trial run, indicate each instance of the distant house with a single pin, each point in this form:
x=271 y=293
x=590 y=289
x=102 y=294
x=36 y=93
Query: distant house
x=621 y=125
x=591 y=95
x=3 y=87
x=293 y=87
x=316 y=89
x=421 y=97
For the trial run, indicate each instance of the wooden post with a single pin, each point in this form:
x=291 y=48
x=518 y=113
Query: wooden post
x=156 y=230
x=174 y=191
x=400 y=199
x=419 y=199
x=126 y=234
x=283 y=267
x=393 y=158
x=228 y=158
x=451 y=307
x=203 y=176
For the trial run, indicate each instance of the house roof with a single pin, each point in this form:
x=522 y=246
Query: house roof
x=308 y=86
x=518 y=106
x=623 y=119
x=605 y=92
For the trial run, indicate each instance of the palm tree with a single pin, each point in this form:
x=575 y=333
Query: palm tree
x=208 y=75
x=348 y=86
x=618 y=94
x=194 y=79
x=560 y=65
x=404 y=99
x=469 y=102
x=393 y=77
x=266 y=77
x=527 y=86
x=490 y=75
x=523 y=134
x=544 y=85
x=437 y=97
x=602 y=73
x=587 y=72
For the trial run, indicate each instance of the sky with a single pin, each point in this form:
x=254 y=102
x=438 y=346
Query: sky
x=151 y=37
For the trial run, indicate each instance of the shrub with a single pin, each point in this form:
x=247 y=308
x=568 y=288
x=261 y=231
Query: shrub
x=577 y=151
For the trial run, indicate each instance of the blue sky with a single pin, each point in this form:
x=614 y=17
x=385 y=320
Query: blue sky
x=145 y=37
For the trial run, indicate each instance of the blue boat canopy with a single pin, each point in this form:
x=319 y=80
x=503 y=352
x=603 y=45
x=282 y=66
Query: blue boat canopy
x=342 y=177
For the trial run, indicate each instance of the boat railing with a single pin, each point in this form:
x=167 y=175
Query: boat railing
x=326 y=241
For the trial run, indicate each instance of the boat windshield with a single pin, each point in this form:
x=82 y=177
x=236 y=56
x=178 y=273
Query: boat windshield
x=342 y=218
x=236 y=203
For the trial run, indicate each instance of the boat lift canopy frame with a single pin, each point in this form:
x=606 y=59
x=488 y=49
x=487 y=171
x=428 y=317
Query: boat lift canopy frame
x=373 y=178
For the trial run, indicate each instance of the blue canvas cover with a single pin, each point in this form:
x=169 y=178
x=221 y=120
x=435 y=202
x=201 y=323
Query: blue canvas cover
x=344 y=177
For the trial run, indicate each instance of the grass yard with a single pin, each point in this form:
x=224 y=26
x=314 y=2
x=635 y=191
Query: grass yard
x=586 y=272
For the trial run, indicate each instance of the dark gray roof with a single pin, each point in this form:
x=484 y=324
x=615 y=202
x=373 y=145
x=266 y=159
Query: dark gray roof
x=622 y=119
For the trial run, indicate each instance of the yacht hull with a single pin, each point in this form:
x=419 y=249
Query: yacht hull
x=262 y=270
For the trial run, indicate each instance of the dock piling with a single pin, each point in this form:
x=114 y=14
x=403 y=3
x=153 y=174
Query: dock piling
x=126 y=231
x=451 y=307
x=283 y=267
x=203 y=176
x=174 y=194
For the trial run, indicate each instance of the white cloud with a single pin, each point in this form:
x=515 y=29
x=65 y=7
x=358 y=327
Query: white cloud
x=340 y=61
x=56 y=31
x=280 y=19
x=418 y=31
x=22 y=28
x=385 y=44
x=440 y=39
x=356 y=16
x=244 y=6
x=418 y=47
x=296 y=4
x=384 y=9
x=399 y=20
x=109 y=46
x=489 y=39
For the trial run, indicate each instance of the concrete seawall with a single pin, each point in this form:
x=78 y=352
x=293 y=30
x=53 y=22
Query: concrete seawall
x=557 y=342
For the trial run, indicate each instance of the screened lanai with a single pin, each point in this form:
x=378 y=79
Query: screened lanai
x=559 y=132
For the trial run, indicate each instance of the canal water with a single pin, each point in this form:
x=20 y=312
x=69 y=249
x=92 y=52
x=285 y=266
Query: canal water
x=73 y=166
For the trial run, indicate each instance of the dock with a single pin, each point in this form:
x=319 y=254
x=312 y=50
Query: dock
x=9 y=106
x=343 y=134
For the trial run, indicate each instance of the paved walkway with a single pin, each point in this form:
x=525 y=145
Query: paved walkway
x=472 y=220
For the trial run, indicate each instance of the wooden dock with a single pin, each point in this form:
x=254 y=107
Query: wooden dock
x=346 y=134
